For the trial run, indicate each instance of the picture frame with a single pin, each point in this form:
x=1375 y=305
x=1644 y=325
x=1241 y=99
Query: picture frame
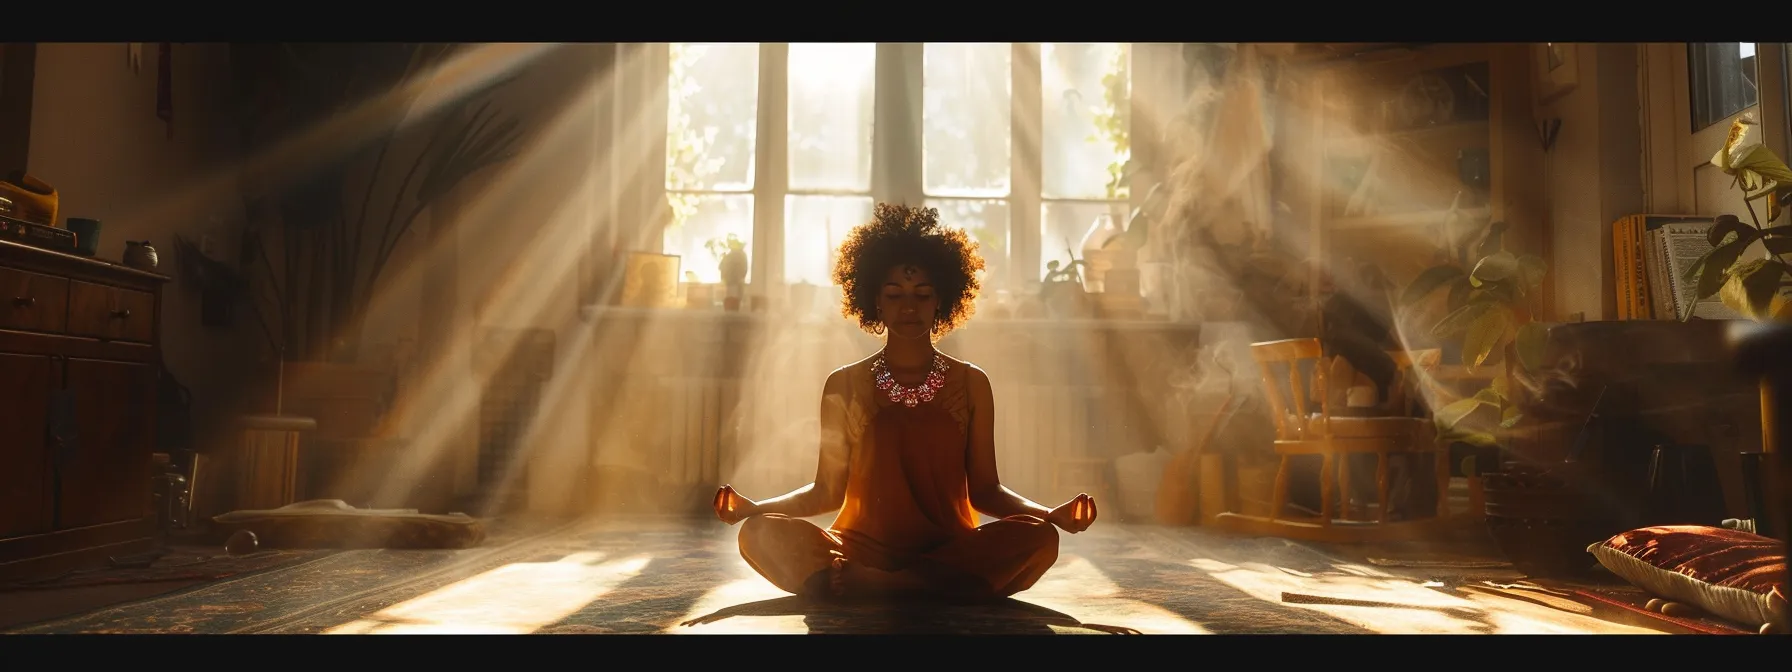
x=1557 y=69
x=650 y=280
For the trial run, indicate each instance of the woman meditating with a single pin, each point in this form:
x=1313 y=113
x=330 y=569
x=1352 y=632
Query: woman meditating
x=908 y=452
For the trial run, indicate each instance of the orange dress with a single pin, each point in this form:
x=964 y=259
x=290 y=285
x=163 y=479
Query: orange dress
x=907 y=505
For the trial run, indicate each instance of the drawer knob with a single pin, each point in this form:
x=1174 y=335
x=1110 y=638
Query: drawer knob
x=24 y=301
x=121 y=313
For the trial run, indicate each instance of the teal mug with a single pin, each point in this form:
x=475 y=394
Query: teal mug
x=87 y=235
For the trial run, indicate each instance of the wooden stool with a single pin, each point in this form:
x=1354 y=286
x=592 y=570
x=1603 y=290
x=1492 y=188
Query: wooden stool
x=259 y=473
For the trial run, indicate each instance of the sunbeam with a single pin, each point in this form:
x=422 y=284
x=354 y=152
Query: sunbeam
x=911 y=317
x=511 y=600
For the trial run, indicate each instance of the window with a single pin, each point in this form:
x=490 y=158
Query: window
x=962 y=157
x=832 y=96
x=712 y=112
x=1723 y=78
x=967 y=142
x=1084 y=115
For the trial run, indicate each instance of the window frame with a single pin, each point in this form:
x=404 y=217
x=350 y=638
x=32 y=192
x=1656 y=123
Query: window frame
x=1669 y=156
x=897 y=155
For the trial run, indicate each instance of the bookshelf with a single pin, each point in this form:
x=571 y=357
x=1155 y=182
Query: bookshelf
x=1392 y=140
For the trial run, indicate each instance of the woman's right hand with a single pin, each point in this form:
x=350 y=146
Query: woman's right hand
x=731 y=507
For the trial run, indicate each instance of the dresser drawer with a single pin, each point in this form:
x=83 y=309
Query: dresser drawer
x=111 y=313
x=33 y=301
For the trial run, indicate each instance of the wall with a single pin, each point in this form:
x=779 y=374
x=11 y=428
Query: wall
x=505 y=253
x=1593 y=176
x=96 y=138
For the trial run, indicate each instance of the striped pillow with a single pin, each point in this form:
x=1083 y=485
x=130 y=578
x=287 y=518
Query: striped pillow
x=1729 y=573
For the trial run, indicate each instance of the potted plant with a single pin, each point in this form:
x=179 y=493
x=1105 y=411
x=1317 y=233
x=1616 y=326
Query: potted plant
x=1535 y=510
x=1754 y=286
x=731 y=257
x=1750 y=286
x=1488 y=313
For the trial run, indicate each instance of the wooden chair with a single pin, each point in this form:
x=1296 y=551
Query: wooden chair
x=1303 y=429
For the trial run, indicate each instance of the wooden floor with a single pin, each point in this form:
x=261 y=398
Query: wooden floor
x=682 y=576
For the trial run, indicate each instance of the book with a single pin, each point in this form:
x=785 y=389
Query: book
x=1624 y=280
x=1670 y=251
x=1643 y=281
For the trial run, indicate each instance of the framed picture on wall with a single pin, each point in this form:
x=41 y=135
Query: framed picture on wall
x=1557 y=71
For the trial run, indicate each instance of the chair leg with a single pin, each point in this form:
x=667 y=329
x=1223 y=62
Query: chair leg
x=1278 y=498
x=1443 y=482
x=1346 y=509
x=1328 y=476
x=1477 y=498
x=1382 y=485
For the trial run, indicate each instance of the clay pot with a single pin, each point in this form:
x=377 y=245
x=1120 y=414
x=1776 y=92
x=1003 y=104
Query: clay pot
x=140 y=255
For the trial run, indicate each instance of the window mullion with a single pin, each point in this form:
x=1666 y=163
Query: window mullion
x=771 y=168
x=1026 y=165
x=896 y=151
x=649 y=88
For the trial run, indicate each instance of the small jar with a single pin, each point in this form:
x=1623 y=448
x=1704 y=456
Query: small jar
x=140 y=255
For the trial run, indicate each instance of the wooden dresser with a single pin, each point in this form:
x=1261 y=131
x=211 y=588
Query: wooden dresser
x=79 y=351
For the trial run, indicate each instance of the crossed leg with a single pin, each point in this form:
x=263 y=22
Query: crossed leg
x=999 y=559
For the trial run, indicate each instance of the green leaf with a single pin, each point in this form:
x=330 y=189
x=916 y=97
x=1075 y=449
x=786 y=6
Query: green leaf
x=1735 y=292
x=1494 y=293
x=1713 y=268
x=1476 y=439
x=1761 y=160
x=1454 y=412
x=1773 y=231
x=1495 y=267
x=1760 y=286
x=1510 y=417
x=1777 y=245
x=1728 y=225
x=1531 y=269
x=1485 y=334
x=1493 y=239
x=1699 y=268
x=1491 y=396
x=1429 y=281
x=1459 y=320
x=1501 y=387
x=1459 y=293
x=1530 y=342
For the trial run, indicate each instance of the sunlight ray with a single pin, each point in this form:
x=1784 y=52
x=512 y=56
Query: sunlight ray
x=518 y=598
x=1079 y=589
x=1395 y=605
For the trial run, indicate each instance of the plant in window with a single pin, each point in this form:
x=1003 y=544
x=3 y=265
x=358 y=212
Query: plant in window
x=1490 y=306
x=731 y=259
x=1113 y=118
x=1749 y=286
x=688 y=165
x=720 y=246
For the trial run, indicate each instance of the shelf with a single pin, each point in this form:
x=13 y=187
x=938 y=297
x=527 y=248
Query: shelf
x=1399 y=220
x=1465 y=134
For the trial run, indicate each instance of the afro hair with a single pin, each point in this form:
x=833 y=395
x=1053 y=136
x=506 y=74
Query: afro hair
x=901 y=235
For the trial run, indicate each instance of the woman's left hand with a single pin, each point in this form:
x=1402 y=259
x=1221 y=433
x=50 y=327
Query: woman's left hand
x=1075 y=515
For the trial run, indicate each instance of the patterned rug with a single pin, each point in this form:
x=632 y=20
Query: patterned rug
x=685 y=577
x=178 y=564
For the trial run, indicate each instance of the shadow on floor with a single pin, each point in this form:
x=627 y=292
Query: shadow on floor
x=1007 y=616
